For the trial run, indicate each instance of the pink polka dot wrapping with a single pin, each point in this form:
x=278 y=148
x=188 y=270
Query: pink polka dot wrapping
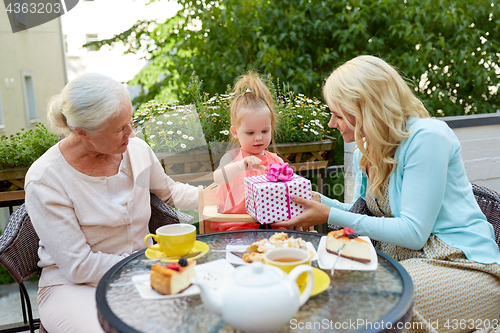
x=260 y=195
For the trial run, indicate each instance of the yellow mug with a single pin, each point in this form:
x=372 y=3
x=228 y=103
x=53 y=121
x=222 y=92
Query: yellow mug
x=173 y=239
x=287 y=259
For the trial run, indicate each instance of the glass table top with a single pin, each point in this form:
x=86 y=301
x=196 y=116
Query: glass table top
x=354 y=301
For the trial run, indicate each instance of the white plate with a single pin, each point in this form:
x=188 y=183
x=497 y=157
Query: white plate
x=214 y=272
x=242 y=248
x=327 y=259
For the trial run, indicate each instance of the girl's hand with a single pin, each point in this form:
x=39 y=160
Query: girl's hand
x=253 y=163
x=316 y=213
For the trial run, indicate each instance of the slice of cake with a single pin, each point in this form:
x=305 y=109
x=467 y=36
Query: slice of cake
x=172 y=278
x=355 y=248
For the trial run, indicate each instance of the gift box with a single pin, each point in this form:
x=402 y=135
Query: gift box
x=267 y=197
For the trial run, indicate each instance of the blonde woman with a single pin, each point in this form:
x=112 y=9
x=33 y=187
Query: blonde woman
x=410 y=172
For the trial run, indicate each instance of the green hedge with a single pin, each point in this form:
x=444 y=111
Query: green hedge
x=450 y=49
x=25 y=147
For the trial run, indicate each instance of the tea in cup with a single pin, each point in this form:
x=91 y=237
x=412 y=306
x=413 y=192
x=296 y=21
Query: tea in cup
x=173 y=239
x=287 y=259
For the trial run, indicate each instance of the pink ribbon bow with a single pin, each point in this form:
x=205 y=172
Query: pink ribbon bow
x=279 y=172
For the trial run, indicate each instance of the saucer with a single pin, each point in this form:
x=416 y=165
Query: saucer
x=321 y=281
x=155 y=253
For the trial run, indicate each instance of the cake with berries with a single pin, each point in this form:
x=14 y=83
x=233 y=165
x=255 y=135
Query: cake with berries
x=354 y=248
x=172 y=278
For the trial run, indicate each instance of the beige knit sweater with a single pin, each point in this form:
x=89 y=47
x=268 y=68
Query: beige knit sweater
x=82 y=232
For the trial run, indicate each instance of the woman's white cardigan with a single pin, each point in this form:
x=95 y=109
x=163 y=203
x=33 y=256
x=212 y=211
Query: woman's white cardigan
x=82 y=232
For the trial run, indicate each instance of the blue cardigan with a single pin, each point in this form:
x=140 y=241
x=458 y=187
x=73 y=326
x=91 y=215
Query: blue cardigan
x=428 y=193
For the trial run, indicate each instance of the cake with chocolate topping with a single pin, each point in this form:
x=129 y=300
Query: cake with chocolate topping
x=354 y=247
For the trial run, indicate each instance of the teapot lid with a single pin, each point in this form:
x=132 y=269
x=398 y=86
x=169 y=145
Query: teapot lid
x=258 y=275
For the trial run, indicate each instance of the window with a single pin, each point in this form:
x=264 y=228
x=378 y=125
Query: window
x=91 y=38
x=2 y=124
x=29 y=98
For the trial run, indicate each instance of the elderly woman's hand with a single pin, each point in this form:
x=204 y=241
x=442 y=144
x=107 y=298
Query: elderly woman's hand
x=316 y=213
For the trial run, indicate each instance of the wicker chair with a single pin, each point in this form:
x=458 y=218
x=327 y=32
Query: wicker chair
x=488 y=200
x=19 y=252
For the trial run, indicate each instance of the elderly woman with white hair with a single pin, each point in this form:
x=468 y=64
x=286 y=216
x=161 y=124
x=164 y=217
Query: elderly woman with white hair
x=412 y=177
x=88 y=198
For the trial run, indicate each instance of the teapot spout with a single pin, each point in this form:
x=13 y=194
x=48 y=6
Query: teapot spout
x=210 y=297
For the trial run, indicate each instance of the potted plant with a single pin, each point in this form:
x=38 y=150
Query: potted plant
x=17 y=153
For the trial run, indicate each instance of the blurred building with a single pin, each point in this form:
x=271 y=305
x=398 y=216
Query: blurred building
x=103 y=19
x=32 y=70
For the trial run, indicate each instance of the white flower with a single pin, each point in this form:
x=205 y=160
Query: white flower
x=191 y=138
x=314 y=113
x=183 y=145
x=170 y=132
x=225 y=132
x=169 y=123
x=151 y=136
x=300 y=116
x=305 y=129
x=142 y=121
x=215 y=114
x=184 y=136
x=174 y=114
x=179 y=132
x=159 y=122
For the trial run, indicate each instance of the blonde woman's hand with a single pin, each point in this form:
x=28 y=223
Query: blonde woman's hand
x=316 y=213
x=253 y=163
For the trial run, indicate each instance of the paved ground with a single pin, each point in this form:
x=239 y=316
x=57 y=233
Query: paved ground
x=10 y=302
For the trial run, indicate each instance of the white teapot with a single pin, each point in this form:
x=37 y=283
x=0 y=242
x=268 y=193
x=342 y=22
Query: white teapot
x=258 y=297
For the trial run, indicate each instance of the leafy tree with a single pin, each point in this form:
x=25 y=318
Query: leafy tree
x=448 y=48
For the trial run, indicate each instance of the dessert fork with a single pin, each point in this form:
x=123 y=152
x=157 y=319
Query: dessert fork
x=236 y=253
x=336 y=259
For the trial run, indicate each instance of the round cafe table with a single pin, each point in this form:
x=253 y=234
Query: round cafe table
x=356 y=301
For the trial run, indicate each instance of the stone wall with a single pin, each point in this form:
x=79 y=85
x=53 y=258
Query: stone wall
x=480 y=139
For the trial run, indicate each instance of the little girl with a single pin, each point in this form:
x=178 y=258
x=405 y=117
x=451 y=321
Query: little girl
x=253 y=123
